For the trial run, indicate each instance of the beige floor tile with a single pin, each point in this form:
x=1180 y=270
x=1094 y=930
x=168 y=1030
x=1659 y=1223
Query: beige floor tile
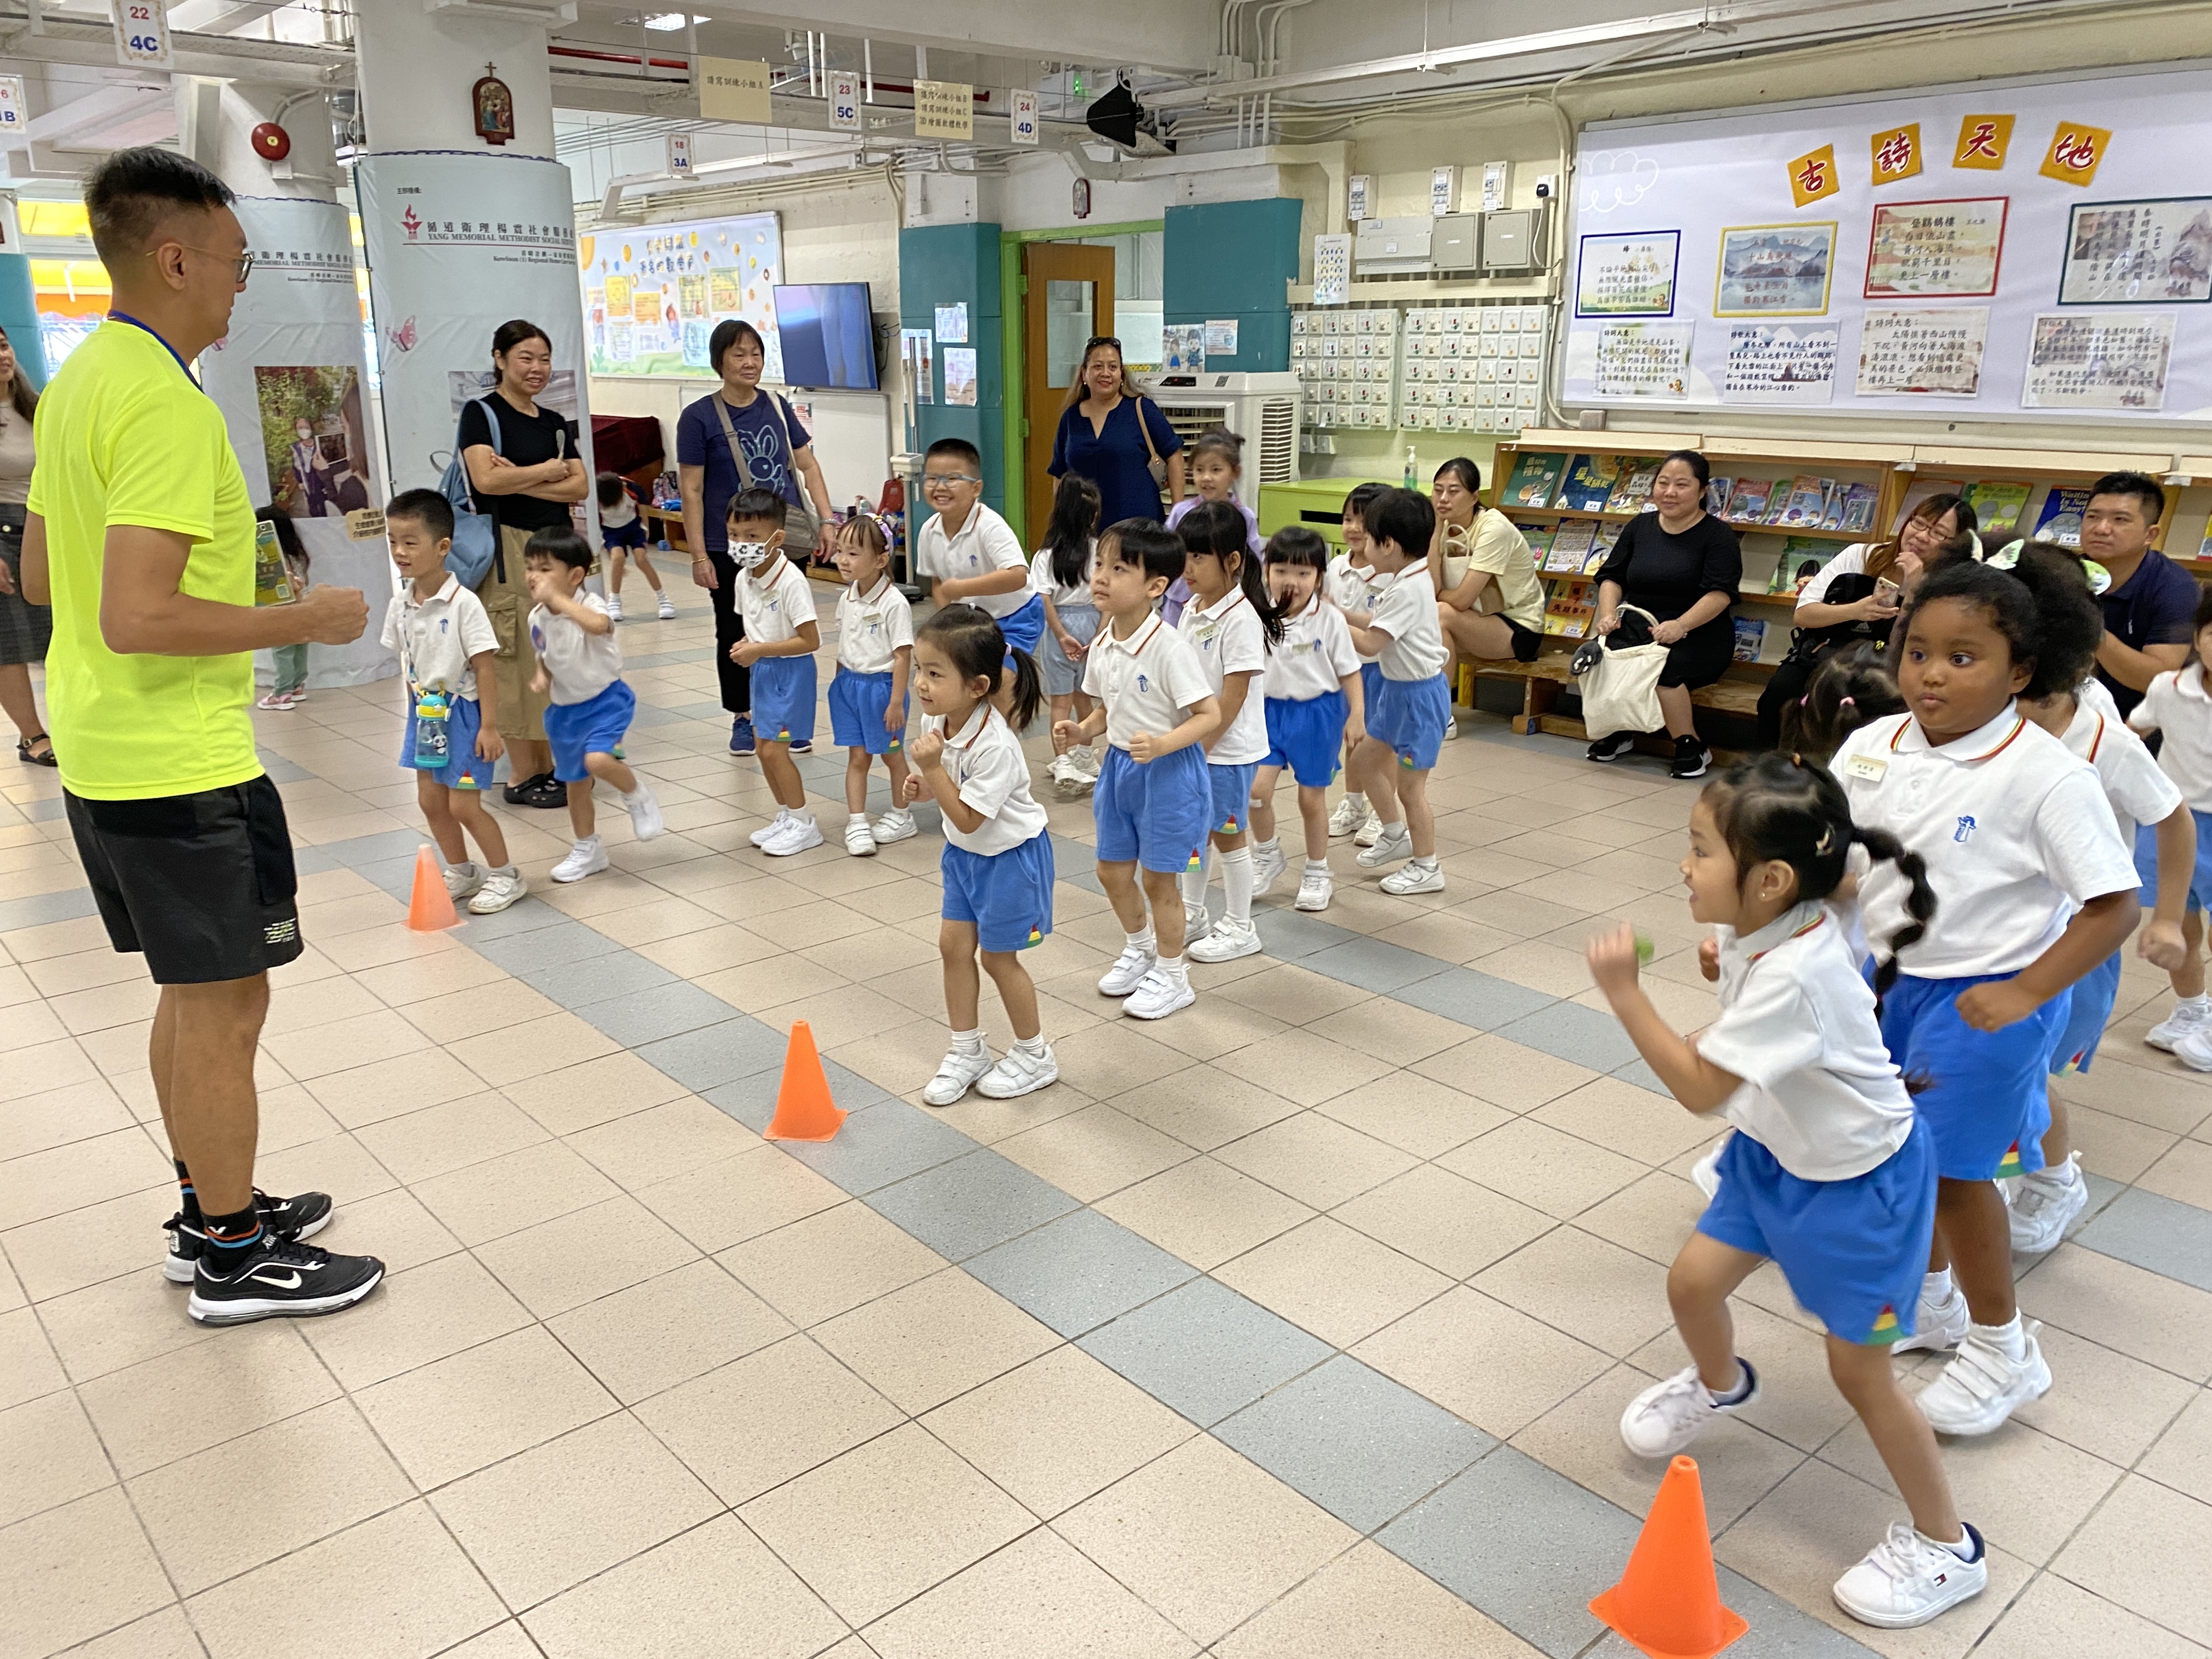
x=663 y=1141
x=2124 y=1307
x=2053 y=1617
x=2142 y=1522
x=1504 y=1073
x=1204 y=1536
x=40 y=1185
x=519 y=1190
x=1414 y=1114
x=28 y=1369
x=1287 y=991
x=1210 y=1028
x=311 y=1475
x=990 y=1121
x=392 y=1226
x=1036 y=1595
x=2115 y=1147
x=2106 y=1403
x=596 y=1091
x=1094 y=1151
x=509 y=1055
x=164 y=1635
x=49 y=1456
x=939 y=1337
x=419 y=1146
x=754 y=1423
x=1201 y=1107
x=415 y=1317
x=1443 y=1219
x=78 y=1571
x=41 y=1067
x=1560 y=1174
x=2159 y=1093
x=1653 y=1217
x=1338 y=1283
x=735 y=1199
x=1367 y=1604
x=163 y=1409
x=2182 y=1458
x=345 y=1044
x=575 y=1258
x=692 y=1595
x=669 y=1329
x=59 y=1117
x=1449 y=1348
x=710 y=950
x=818 y=1268
x=770 y=981
x=1204 y=1211
x=1305 y=1067
x=1315 y=1159
x=87 y=1246
x=507 y=1641
x=458 y=1414
x=393 y=1088
x=1120 y=1050
x=885 y=1522
x=397 y=1587
x=118 y=1322
x=1595 y=1291
x=1651 y=1128
x=449 y=975
x=489 y=1007
x=2184 y=1174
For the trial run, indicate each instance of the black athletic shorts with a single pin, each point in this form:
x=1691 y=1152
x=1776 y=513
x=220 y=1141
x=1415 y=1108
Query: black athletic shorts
x=1527 y=643
x=203 y=884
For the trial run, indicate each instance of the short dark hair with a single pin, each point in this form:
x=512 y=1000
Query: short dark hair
x=564 y=545
x=1469 y=475
x=1404 y=517
x=435 y=512
x=1700 y=468
x=2141 y=485
x=127 y=196
x=1361 y=497
x=611 y=488
x=727 y=333
x=1298 y=543
x=959 y=449
x=758 y=506
x=509 y=335
x=1147 y=542
x=2204 y=610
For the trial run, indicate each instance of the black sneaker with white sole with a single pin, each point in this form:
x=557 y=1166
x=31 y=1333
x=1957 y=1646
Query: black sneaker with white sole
x=1691 y=758
x=1613 y=748
x=301 y=1217
x=282 y=1279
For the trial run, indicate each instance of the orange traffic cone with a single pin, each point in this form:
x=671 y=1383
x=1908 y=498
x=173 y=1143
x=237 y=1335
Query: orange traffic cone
x=1668 y=1603
x=431 y=909
x=803 y=1110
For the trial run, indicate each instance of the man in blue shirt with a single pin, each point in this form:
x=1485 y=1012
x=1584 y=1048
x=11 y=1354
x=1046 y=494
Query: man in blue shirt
x=2150 y=610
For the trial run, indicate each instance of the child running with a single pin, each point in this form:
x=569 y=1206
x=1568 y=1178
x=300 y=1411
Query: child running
x=579 y=669
x=1232 y=623
x=1353 y=586
x=782 y=636
x=1062 y=573
x=997 y=863
x=867 y=694
x=1829 y=1175
x=1153 y=798
x=623 y=532
x=2038 y=888
x=2179 y=704
x=1407 y=722
x=1217 y=462
x=1314 y=706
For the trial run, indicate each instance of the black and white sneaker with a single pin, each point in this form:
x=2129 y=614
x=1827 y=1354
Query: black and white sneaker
x=282 y=1280
x=302 y=1217
x=1691 y=758
x=1614 y=747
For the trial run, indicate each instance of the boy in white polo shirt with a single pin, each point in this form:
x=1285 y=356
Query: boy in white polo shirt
x=1412 y=710
x=782 y=636
x=446 y=645
x=969 y=552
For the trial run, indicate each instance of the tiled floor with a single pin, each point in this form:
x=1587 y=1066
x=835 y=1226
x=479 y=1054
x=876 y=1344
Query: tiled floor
x=1297 y=1324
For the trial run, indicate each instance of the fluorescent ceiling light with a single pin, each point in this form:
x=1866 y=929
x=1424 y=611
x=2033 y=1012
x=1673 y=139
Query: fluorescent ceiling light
x=669 y=21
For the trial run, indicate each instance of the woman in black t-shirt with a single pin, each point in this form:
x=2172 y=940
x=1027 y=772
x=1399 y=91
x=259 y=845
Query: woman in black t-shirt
x=1684 y=566
x=526 y=482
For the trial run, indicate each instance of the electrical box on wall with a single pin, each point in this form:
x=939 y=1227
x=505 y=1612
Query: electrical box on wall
x=1512 y=240
x=1457 y=243
x=1496 y=185
x=1358 y=192
x=1384 y=246
x=1443 y=191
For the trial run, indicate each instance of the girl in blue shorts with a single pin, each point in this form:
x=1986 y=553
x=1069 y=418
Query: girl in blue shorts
x=1829 y=1174
x=1316 y=704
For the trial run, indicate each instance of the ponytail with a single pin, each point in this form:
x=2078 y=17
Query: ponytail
x=1919 y=901
x=1029 y=689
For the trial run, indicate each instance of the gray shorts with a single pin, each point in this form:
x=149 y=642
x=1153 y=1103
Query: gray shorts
x=1062 y=677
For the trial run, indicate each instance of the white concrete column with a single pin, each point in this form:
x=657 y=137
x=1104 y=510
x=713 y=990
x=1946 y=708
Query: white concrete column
x=416 y=68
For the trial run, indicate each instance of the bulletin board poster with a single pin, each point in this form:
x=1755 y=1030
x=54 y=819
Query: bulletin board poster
x=1627 y=276
x=653 y=294
x=2037 y=258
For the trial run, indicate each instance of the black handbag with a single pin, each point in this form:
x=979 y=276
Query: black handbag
x=1808 y=644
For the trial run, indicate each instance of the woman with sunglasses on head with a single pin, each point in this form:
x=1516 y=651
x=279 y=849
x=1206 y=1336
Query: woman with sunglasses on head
x=1111 y=434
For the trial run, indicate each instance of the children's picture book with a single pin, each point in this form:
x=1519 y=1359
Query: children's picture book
x=1999 y=503
x=1802 y=507
x=1570 y=610
x=1749 y=504
x=1539 y=538
x=1600 y=549
x=1857 y=515
x=1589 y=483
x=1802 y=560
x=1920 y=490
x=1535 y=477
x=1717 y=496
x=1634 y=491
x=1750 y=639
x=2060 y=520
x=1570 y=545
x=273 y=581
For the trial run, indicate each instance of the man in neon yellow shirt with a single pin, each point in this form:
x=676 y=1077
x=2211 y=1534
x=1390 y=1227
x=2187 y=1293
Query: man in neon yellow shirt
x=140 y=535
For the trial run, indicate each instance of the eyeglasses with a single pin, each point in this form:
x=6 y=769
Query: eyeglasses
x=946 y=480
x=1097 y=340
x=243 y=262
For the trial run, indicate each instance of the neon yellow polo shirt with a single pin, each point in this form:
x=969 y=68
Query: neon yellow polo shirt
x=125 y=437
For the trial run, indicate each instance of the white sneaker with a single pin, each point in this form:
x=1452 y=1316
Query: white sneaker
x=1266 y=870
x=1908 y=1579
x=1413 y=878
x=1668 y=1416
x=614 y=607
x=1085 y=758
x=1451 y=728
x=1707 y=1171
x=860 y=840
x=768 y=831
x=897 y=824
x=1937 y=1325
x=2184 y=1021
x=1228 y=941
x=1386 y=848
x=1982 y=1385
x=797 y=835
x=497 y=892
x=667 y=609
x=1018 y=1074
x=1159 y=994
x=2195 y=1050
x=1127 y=972
x=644 y=810
x=463 y=881
x=586 y=858
x=1370 y=831
x=956 y=1075
x=1345 y=818
x=2043 y=1205
x=1315 y=889
x=1197 y=923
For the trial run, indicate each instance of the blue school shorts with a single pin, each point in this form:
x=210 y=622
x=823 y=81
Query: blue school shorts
x=1412 y=717
x=1025 y=627
x=2094 y=993
x=1854 y=1250
x=1986 y=1102
x=857 y=702
x=1231 y=788
x=783 y=698
x=2200 y=883
x=1006 y=896
x=1370 y=685
x=592 y=727
x=1308 y=737
x=622 y=537
x=463 y=768
x=1154 y=814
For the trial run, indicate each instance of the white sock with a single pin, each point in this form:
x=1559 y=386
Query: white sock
x=804 y=818
x=504 y=869
x=1175 y=969
x=1316 y=867
x=2010 y=1340
x=967 y=1042
x=1236 y=877
x=1396 y=831
x=2064 y=1173
x=465 y=867
x=1357 y=799
x=1966 y=1547
x=1270 y=846
x=1031 y=1046
x=1936 y=1287
x=1146 y=941
x=1194 y=883
x=1428 y=863
x=2196 y=1005
x=639 y=794
x=852 y=818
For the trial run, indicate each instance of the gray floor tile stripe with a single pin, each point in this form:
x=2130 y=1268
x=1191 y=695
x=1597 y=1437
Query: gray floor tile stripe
x=879 y=1144
x=1205 y=1351
x=2168 y=1237
x=963 y=1207
x=43 y=908
x=1080 y=1271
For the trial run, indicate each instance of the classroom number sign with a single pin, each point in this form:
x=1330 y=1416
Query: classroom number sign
x=142 y=33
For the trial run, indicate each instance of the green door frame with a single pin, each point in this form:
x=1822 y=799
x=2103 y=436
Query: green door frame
x=1013 y=343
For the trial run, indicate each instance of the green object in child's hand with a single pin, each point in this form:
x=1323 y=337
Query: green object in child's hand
x=1645 y=948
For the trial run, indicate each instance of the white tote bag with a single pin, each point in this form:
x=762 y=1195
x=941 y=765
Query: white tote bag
x=1621 y=692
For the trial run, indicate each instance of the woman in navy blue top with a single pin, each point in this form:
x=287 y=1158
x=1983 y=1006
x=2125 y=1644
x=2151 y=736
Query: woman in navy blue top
x=1100 y=438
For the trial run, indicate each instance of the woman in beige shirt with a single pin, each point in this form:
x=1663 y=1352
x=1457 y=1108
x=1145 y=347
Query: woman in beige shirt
x=1488 y=593
x=25 y=628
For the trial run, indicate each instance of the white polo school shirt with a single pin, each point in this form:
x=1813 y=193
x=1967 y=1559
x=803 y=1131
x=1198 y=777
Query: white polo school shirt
x=987 y=766
x=2138 y=792
x=437 y=637
x=1314 y=656
x=985 y=542
x=872 y=628
x=2176 y=704
x=1148 y=682
x=775 y=609
x=1407 y=613
x=1228 y=639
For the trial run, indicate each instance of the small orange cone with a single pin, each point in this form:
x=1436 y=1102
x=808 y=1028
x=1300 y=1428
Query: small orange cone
x=431 y=909
x=803 y=1110
x=1668 y=1602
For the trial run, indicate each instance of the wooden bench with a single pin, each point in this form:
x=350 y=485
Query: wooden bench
x=1542 y=680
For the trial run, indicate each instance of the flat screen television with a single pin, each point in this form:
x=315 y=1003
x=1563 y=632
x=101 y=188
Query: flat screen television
x=828 y=339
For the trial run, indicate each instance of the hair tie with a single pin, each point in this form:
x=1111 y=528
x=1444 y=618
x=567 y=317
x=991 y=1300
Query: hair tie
x=1848 y=702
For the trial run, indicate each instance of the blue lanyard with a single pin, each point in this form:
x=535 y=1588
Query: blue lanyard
x=126 y=317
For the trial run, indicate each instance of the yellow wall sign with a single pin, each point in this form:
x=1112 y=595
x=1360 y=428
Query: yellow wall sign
x=1896 y=154
x=2076 y=152
x=1813 y=177
x=943 y=109
x=1983 y=141
x=733 y=89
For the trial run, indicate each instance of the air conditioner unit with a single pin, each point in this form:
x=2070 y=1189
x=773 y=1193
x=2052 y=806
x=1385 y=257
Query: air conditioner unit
x=1260 y=409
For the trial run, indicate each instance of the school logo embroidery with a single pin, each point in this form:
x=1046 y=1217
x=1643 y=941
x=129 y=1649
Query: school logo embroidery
x=1965 y=830
x=444 y=622
x=1143 y=684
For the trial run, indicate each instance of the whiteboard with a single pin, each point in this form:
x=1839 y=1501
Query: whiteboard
x=1697 y=279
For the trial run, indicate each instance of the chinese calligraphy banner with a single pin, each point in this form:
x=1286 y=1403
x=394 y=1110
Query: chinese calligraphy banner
x=2083 y=360
x=1780 y=363
x=1936 y=352
x=2134 y=253
x=1644 y=360
x=1945 y=250
x=653 y=294
x=1628 y=276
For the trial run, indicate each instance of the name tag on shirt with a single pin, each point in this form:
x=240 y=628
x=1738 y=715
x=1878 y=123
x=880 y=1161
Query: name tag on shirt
x=1871 y=767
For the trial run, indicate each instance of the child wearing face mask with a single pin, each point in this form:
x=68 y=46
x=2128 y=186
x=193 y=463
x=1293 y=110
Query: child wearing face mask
x=782 y=636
